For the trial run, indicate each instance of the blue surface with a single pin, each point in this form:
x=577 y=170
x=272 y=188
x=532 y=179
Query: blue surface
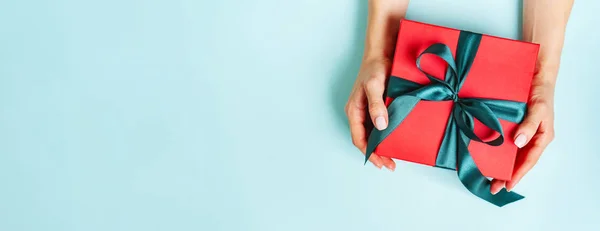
x=227 y=115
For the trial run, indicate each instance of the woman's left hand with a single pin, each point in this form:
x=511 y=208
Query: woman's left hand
x=535 y=132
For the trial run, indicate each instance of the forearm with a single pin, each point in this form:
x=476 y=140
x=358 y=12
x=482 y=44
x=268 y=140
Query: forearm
x=382 y=28
x=544 y=23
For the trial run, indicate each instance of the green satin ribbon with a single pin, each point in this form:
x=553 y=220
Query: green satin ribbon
x=453 y=153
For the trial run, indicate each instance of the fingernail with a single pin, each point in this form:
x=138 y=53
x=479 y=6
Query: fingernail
x=511 y=186
x=379 y=166
x=390 y=167
x=520 y=140
x=495 y=192
x=380 y=123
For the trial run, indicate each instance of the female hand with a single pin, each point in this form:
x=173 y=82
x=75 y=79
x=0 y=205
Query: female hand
x=366 y=103
x=535 y=132
x=543 y=24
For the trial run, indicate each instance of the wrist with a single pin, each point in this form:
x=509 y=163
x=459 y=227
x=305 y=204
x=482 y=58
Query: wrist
x=380 y=48
x=376 y=57
x=545 y=75
x=380 y=59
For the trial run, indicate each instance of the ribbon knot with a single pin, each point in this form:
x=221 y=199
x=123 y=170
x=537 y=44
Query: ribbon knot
x=455 y=98
x=453 y=153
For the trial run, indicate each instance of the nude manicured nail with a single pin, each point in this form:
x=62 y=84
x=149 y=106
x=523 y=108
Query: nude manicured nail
x=390 y=168
x=520 y=140
x=513 y=186
x=380 y=123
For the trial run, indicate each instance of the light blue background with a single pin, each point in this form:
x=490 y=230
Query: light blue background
x=227 y=115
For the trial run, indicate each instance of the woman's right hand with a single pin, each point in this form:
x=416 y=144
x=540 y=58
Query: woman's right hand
x=366 y=102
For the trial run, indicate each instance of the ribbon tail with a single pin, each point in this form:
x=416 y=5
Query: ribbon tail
x=477 y=183
x=468 y=44
x=446 y=157
x=397 y=111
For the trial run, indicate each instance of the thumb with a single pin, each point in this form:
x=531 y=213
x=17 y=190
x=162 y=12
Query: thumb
x=528 y=127
x=374 y=88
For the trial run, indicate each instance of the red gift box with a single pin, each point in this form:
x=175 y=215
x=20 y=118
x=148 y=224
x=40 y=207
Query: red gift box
x=502 y=69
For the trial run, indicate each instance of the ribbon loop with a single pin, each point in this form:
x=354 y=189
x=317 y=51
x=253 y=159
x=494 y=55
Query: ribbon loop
x=444 y=52
x=474 y=109
x=434 y=92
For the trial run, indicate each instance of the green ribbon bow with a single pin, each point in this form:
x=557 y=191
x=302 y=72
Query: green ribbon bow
x=453 y=153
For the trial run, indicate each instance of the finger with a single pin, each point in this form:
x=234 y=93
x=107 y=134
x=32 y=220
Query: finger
x=388 y=163
x=374 y=89
x=527 y=158
x=356 y=118
x=356 y=113
x=496 y=186
x=529 y=126
x=358 y=131
x=376 y=160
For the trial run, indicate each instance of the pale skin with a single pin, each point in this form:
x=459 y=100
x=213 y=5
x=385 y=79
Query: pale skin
x=544 y=23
